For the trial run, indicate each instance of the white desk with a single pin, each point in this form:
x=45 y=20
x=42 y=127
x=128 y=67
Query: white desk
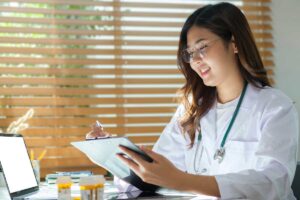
x=110 y=192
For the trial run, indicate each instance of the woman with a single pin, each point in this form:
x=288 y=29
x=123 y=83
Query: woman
x=233 y=136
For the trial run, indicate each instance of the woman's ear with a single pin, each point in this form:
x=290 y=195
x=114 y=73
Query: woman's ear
x=235 y=49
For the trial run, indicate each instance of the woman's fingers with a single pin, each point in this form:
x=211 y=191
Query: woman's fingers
x=92 y=135
x=134 y=156
x=152 y=154
x=127 y=160
x=130 y=163
x=97 y=132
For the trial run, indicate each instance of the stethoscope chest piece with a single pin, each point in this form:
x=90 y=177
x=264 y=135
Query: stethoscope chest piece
x=219 y=155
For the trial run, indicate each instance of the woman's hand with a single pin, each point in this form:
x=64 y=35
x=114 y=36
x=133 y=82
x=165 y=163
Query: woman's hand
x=159 y=172
x=97 y=132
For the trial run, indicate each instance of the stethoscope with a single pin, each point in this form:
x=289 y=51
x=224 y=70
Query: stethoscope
x=196 y=153
x=220 y=152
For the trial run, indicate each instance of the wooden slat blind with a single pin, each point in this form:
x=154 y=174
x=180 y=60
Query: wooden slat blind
x=76 y=61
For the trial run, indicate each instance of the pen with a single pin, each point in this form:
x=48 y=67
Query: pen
x=42 y=155
x=98 y=124
x=75 y=173
x=31 y=154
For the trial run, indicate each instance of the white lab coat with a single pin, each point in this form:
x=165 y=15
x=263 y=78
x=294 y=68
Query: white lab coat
x=261 y=149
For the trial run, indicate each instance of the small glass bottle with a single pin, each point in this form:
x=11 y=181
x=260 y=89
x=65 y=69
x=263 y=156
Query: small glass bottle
x=64 y=184
x=92 y=187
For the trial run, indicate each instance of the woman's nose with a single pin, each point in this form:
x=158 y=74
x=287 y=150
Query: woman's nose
x=196 y=58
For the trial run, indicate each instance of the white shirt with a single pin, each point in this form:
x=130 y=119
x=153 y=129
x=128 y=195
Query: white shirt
x=261 y=148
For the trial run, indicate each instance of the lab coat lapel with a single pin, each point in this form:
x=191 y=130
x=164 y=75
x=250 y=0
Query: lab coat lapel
x=208 y=125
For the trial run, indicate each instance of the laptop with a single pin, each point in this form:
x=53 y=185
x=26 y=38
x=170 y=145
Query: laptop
x=17 y=169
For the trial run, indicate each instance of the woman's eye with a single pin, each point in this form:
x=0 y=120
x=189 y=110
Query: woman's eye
x=203 y=47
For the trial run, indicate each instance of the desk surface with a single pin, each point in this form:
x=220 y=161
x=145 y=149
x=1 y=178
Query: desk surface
x=110 y=192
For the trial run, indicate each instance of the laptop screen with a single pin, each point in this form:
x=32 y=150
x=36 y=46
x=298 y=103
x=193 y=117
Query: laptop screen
x=16 y=164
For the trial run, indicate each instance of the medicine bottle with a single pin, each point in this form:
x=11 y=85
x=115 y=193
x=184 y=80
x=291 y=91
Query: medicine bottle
x=64 y=184
x=92 y=187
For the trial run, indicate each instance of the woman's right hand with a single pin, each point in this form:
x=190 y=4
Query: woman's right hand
x=97 y=132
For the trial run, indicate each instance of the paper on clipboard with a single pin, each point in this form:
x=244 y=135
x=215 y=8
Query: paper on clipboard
x=103 y=153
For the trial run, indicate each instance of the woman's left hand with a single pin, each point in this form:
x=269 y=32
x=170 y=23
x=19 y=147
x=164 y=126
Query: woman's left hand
x=159 y=172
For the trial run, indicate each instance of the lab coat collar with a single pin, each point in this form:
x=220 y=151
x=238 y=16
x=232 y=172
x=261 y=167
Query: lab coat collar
x=208 y=122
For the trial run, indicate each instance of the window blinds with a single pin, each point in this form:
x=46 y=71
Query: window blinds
x=77 y=61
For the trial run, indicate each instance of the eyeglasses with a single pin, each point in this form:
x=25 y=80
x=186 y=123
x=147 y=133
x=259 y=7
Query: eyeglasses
x=198 y=51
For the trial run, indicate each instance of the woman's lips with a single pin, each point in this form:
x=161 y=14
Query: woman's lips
x=204 y=71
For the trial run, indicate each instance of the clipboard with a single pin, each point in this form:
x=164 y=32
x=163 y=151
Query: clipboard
x=103 y=153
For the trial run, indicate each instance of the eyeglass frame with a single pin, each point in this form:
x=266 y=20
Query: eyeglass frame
x=201 y=50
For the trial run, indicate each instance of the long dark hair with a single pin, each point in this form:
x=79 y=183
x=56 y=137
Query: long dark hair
x=226 y=21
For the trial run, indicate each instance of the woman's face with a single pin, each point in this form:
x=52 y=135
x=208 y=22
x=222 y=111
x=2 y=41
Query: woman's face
x=212 y=60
